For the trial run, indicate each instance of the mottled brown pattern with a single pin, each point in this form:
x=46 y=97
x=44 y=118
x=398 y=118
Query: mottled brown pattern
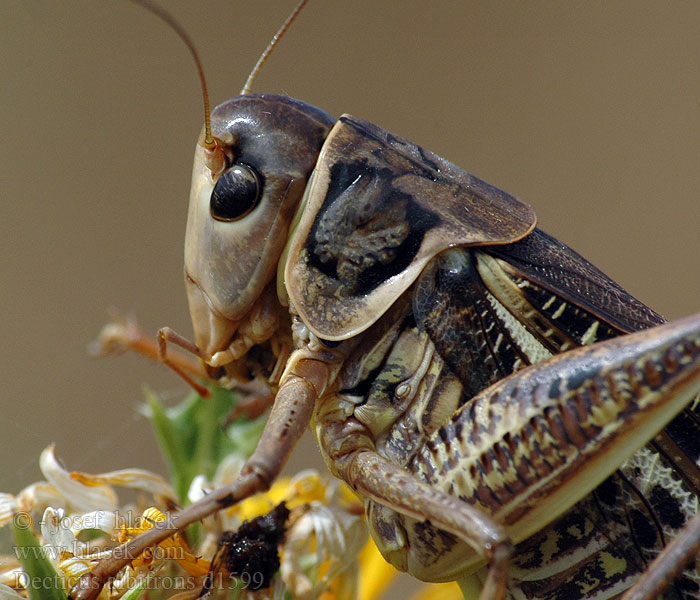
x=374 y=219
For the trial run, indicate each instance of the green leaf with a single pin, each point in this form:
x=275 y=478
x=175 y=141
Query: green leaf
x=135 y=592
x=43 y=582
x=192 y=436
x=171 y=441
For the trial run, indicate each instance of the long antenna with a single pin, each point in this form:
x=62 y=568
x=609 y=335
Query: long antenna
x=165 y=16
x=270 y=47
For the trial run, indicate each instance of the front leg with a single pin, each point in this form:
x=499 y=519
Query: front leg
x=305 y=380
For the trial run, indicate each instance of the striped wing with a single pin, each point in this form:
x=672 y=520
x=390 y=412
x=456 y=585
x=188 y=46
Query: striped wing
x=493 y=311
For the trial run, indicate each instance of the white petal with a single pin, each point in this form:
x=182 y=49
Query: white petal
x=103 y=520
x=38 y=496
x=323 y=523
x=58 y=538
x=135 y=479
x=13 y=577
x=7 y=593
x=338 y=536
x=229 y=469
x=8 y=508
x=354 y=538
x=75 y=566
x=80 y=496
x=125 y=579
x=199 y=488
x=356 y=534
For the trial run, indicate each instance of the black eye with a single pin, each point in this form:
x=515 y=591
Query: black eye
x=235 y=194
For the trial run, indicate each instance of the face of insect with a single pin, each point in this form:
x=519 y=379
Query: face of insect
x=239 y=219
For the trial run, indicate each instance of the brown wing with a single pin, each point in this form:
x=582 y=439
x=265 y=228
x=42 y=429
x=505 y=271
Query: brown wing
x=556 y=268
x=378 y=209
x=562 y=301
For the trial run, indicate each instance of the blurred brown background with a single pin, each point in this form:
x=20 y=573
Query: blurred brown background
x=588 y=111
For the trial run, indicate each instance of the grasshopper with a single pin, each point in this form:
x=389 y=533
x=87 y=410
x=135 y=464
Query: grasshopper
x=395 y=301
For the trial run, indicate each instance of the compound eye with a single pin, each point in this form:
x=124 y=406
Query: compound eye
x=235 y=194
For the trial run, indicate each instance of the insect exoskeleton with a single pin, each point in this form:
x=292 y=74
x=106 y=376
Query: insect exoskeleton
x=410 y=288
x=464 y=372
